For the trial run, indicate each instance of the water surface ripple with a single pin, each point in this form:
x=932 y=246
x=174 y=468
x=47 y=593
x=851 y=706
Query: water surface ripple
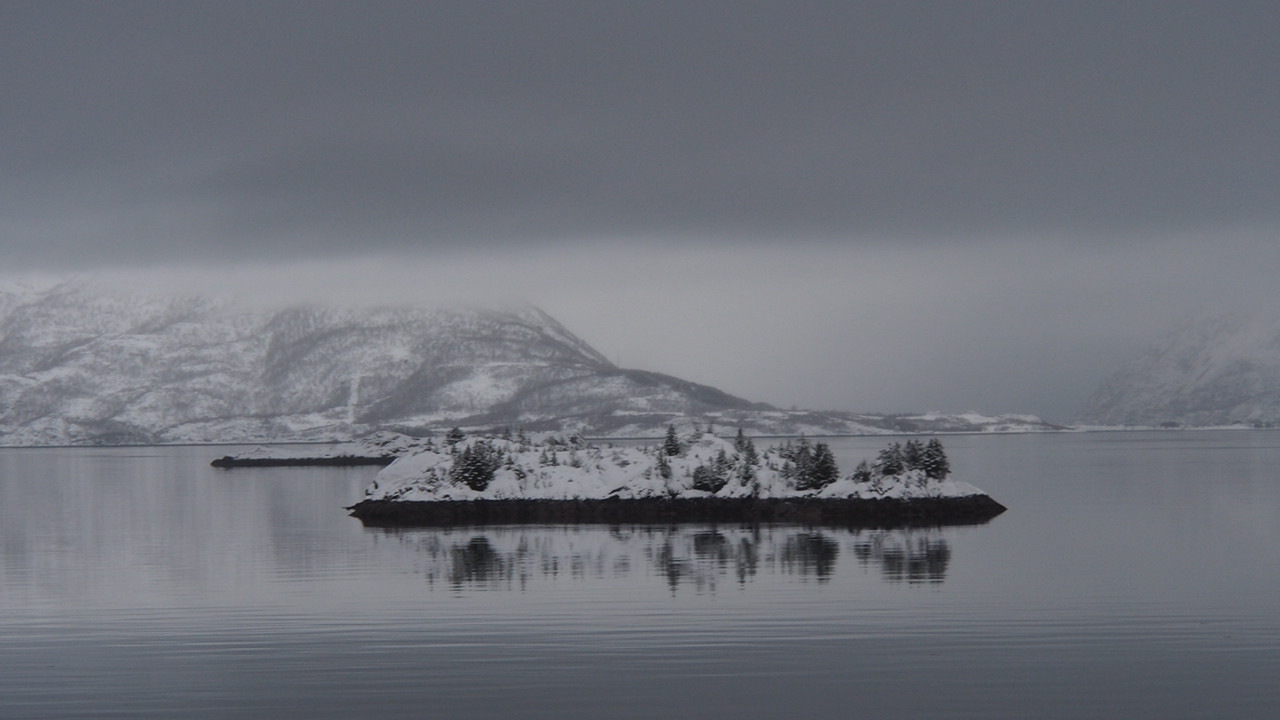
x=1134 y=575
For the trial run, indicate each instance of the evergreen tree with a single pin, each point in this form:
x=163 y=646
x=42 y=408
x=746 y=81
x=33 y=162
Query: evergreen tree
x=863 y=473
x=722 y=463
x=475 y=465
x=748 y=458
x=454 y=436
x=802 y=456
x=824 y=470
x=819 y=471
x=935 y=463
x=889 y=461
x=913 y=455
x=671 y=444
x=707 y=479
x=664 y=467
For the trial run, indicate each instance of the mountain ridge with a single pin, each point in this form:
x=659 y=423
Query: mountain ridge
x=84 y=368
x=1210 y=370
x=79 y=367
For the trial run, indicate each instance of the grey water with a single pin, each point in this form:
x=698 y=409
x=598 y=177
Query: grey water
x=1135 y=574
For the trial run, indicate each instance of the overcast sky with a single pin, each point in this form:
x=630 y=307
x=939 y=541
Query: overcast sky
x=863 y=206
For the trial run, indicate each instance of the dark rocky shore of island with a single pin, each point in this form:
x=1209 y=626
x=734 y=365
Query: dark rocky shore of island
x=845 y=512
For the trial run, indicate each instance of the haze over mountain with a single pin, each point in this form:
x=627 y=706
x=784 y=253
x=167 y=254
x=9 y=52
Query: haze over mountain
x=1213 y=370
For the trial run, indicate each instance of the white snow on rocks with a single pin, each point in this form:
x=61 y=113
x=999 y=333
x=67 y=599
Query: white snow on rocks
x=577 y=471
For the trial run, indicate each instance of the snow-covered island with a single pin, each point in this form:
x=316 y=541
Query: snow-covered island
x=699 y=477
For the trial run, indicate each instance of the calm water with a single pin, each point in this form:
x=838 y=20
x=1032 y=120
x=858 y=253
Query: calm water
x=1135 y=574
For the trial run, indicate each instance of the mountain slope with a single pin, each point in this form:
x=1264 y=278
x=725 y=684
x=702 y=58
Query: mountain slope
x=77 y=367
x=1218 y=370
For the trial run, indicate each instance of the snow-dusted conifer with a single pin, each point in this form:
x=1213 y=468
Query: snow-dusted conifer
x=815 y=467
x=823 y=470
x=889 y=461
x=707 y=479
x=800 y=460
x=664 y=467
x=722 y=463
x=475 y=465
x=934 y=461
x=671 y=444
x=862 y=473
x=913 y=455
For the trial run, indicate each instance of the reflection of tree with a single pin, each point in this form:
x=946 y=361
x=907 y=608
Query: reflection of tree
x=916 y=556
x=477 y=562
x=711 y=545
x=747 y=559
x=671 y=565
x=699 y=557
x=809 y=553
x=703 y=557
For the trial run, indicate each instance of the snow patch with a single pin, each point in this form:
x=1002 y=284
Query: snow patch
x=578 y=471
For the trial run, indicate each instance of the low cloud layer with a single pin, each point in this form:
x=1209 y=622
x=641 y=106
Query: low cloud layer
x=848 y=205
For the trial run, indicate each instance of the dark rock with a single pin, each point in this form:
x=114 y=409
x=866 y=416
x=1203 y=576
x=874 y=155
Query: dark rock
x=230 y=461
x=883 y=513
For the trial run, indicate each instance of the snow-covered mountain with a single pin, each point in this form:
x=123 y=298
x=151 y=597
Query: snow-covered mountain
x=1213 y=370
x=79 y=367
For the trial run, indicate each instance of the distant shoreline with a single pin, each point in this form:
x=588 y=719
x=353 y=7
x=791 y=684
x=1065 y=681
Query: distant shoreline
x=1074 y=430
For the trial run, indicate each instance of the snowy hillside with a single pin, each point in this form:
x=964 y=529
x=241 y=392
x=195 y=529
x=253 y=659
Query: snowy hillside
x=1220 y=370
x=78 y=367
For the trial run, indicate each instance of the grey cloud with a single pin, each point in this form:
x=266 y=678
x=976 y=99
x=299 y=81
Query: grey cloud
x=244 y=127
x=930 y=205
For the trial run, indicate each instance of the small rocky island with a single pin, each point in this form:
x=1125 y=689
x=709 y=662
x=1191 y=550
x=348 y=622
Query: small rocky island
x=463 y=480
x=380 y=448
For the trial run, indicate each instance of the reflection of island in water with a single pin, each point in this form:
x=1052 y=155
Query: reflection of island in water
x=516 y=558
